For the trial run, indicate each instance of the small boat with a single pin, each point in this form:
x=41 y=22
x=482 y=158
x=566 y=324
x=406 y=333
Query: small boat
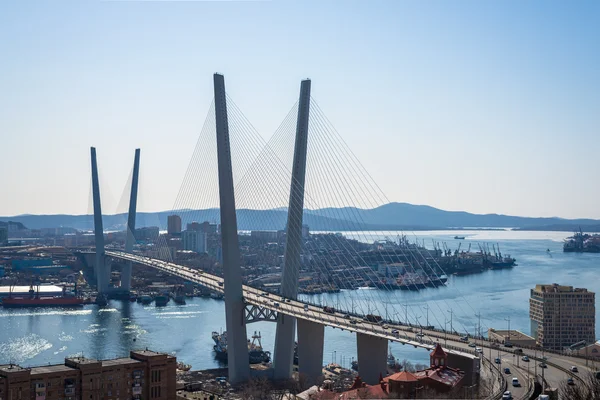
x=101 y=300
x=145 y=299
x=459 y=237
x=161 y=300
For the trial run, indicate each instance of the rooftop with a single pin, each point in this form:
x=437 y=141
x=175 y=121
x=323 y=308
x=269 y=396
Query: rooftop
x=119 y=361
x=49 y=369
x=402 y=376
x=447 y=376
x=11 y=368
x=82 y=360
x=514 y=334
x=556 y=288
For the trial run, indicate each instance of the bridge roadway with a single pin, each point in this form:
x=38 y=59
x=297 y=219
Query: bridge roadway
x=556 y=373
x=277 y=303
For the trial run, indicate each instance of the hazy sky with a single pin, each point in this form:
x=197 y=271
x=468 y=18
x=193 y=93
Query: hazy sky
x=480 y=106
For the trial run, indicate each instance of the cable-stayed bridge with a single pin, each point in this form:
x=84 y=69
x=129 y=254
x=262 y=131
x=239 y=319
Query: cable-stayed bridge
x=322 y=173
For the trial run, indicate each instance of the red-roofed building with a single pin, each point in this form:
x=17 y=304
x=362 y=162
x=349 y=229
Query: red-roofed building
x=359 y=390
x=439 y=376
x=402 y=382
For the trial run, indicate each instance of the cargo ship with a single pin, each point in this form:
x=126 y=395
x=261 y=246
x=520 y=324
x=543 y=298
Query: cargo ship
x=256 y=354
x=34 y=299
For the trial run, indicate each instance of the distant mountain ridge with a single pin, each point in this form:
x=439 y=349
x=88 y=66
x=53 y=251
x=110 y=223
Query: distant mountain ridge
x=391 y=216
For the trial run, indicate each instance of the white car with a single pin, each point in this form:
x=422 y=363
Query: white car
x=478 y=349
x=515 y=382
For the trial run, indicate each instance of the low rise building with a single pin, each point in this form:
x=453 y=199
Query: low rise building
x=143 y=375
x=513 y=336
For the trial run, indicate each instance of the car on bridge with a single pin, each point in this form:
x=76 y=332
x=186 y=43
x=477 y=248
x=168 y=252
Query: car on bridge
x=497 y=360
x=574 y=369
x=395 y=332
x=464 y=339
x=507 y=371
x=570 y=381
x=543 y=365
x=472 y=344
x=507 y=395
x=525 y=358
x=515 y=382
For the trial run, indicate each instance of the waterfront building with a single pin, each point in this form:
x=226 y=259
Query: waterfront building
x=173 y=224
x=143 y=375
x=194 y=240
x=562 y=315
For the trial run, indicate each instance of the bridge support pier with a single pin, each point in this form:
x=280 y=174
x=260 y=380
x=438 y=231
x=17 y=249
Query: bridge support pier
x=372 y=357
x=311 y=337
x=130 y=239
x=284 y=337
x=238 y=362
x=100 y=267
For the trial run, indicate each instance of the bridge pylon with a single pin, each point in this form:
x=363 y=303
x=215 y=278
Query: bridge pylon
x=286 y=325
x=238 y=362
x=130 y=239
x=101 y=269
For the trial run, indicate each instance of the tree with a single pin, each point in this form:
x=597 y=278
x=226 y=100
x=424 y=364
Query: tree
x=586 y=388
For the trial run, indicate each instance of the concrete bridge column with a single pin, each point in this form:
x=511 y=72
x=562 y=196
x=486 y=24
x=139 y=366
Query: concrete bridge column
x=238 y=362
x=310 y=349
x=372 y=357
x=130 y=239
x=286 y=325
x=102 y=270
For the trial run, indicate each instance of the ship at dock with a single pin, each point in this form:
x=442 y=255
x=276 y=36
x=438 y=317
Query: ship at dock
x=35 y=299
x=582 y=243
x=256 y=354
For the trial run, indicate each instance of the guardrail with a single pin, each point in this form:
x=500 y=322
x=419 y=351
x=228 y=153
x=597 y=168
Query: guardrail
x=501 y=381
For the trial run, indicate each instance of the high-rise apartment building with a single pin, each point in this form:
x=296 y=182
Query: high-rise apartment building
x=173 y=224
x=562 y=316
x=3 y=235
x=144 y=375
x=194 y=241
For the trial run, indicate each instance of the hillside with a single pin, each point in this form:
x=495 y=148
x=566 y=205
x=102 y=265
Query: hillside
x=392 y=216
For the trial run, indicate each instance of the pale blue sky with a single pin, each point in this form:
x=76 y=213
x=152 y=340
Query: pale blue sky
x=479 y=106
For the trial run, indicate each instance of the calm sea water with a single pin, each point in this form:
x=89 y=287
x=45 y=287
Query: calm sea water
x=41 y=336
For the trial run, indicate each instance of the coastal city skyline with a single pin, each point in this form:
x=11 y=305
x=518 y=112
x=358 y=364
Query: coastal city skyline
x=427 y=124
